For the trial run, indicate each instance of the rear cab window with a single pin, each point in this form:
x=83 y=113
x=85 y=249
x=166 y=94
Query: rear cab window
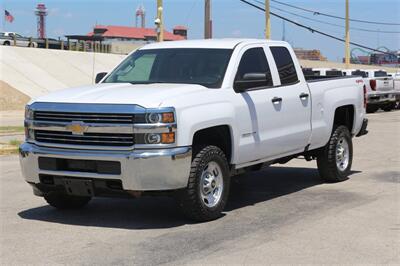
x=284 y=63
x=380 y=74
x=360 y=73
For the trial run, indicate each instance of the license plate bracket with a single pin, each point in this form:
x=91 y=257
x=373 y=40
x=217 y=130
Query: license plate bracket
x=79 y=187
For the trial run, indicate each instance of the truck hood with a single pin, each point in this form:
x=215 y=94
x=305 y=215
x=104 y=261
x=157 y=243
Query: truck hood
x=147 y=95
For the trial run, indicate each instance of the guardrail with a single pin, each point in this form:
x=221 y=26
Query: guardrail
x=83 y=46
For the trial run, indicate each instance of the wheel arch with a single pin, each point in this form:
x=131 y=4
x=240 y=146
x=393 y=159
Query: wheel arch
x=218 y=135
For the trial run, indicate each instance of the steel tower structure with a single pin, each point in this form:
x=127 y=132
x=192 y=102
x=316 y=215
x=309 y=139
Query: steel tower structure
x=41 y=13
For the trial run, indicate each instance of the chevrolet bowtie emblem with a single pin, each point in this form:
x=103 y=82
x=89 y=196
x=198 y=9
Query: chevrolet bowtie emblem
x=77 y=128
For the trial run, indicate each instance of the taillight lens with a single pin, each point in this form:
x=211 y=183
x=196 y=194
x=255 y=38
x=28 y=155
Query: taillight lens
x=372 y=83
x=365 y=96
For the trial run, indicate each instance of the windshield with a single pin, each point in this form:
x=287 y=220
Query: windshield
x=190 y=66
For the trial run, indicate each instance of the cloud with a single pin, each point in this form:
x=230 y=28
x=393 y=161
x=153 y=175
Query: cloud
x=59 y=32
x=68 y=15
x=236 y=33
x=55 y=11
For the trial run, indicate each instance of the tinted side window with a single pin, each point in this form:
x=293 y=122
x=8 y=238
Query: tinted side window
x=254 y=61
x=360 y=73
x=380 y=73
x=334 y=73
x=285 y=65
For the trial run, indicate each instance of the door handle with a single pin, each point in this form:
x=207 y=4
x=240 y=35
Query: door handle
x=276 y=100
x=303 y=95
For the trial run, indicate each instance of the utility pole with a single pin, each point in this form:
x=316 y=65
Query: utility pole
x=267 y=21
x=347 y=52
x=207 y=20
x=159 y=21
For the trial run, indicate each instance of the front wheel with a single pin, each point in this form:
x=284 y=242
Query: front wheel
x=207 y=191
x=335 y=159
x=63 y=201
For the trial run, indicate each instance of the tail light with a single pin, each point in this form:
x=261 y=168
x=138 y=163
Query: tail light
x=372 y=83
x=365 y=96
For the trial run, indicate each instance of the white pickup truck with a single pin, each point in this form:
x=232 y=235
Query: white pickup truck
x=380 y=88
x=180 y=118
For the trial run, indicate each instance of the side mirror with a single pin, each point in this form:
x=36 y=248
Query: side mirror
x=100 y=76
x=250 y=80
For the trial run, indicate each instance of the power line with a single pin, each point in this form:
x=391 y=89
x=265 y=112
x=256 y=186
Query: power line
x=314 y=30
x=333 y=16
x=328 y=23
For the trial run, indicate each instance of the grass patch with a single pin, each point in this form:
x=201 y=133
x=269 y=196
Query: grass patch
x=10 y=129
x=15 y=142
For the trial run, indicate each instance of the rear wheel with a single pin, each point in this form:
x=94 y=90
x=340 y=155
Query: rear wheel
x=64 y=201
x=389 y=107
x=207 y=191
x=372 y=108
x=335 y=159
x=7 y=43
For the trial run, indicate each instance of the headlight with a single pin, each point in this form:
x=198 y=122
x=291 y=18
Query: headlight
x=155 y=118
x=28 y=113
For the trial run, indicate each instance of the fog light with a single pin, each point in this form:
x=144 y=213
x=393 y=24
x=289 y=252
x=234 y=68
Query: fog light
x=153 y=138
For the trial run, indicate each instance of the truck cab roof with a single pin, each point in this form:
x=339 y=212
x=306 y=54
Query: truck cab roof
x=210 y=43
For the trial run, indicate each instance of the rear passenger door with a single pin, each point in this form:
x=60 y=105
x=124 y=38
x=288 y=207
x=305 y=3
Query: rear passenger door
x=280 y=117
x=287 y=126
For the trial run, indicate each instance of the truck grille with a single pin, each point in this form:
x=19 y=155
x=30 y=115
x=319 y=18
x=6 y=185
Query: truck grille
x=86 y=117
x=91 y=139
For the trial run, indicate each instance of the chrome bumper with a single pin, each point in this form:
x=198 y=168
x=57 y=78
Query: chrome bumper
x=141 y=170
x=381 y=98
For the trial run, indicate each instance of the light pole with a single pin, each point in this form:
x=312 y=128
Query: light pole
x=207 y=20
x=267 y=21
x=159 y=21
x=347 y=49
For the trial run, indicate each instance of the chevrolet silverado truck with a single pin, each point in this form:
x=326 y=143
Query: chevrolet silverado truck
x=180 y=118
x=381 y=92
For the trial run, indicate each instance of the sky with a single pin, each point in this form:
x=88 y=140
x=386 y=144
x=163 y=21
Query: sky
x=231 y=18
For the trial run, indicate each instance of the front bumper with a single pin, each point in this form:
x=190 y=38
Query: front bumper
x=141 y=170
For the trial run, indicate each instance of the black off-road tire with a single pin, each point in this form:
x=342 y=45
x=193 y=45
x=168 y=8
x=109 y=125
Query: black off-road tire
x=326 y=159
x=372 y=109
x=190 y=200
x=63 y=201
x=7 y=43
x=389 y=107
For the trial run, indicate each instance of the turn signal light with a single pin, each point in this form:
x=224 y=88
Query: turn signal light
x=168 y=117
x=168 y=138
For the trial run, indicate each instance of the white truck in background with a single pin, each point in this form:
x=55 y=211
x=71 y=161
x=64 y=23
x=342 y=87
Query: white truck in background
x=396 y=81
x=380 y=89
x=180 y=118
x=7 y=39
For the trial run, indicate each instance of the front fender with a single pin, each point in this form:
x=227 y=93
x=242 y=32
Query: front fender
x=194 y=118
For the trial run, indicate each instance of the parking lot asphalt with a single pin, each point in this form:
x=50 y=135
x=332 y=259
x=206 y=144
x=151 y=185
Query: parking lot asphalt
x=283 y=214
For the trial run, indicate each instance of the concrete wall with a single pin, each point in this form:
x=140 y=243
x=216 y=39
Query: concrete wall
x=35 y=72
